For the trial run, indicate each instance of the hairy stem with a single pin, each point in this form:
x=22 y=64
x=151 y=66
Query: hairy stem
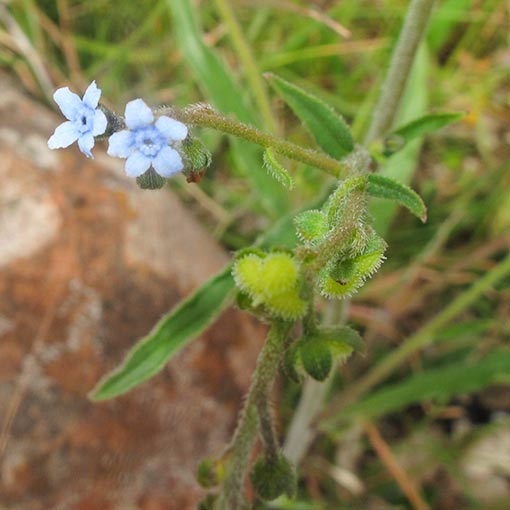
x=205 y=116
x=231 y=496
x=267 y=429
x=402 y=59
x=301 y=428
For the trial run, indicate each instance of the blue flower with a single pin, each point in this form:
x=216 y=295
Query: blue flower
x=147 y=143
x=85 y=120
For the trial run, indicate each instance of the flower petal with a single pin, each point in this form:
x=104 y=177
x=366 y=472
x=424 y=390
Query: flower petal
x=64 y=136
x=137 y=164
x=69 y=103
x=168 y=162
x=85 y=143
x=100 y=122
x=92 y=95
x=120 y=145
x=138 y=114
x=171 y=129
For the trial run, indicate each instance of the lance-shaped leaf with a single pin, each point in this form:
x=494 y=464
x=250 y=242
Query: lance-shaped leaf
x=170 y=335
x=273 y=166
x=398 y=138
x=384 y=187
x=327 y=127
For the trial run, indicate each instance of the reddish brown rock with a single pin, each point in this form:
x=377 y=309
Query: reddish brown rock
x=88 y=263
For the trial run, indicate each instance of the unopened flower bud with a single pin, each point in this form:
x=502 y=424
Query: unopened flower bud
x=271 y=478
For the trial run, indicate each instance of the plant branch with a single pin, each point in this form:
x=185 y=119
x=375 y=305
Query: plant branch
x=301 y=429
x=204 y=116
x=402 y=60
x=231 y=496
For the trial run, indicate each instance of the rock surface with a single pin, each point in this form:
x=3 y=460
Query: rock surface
x=88 y=263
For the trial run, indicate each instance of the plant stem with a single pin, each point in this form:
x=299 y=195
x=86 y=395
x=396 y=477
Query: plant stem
x=402 y=59
x=205 y=116
x=267 y=429
x=231 y=495
x=422 y=338
x=301 y=431
x=249 y=64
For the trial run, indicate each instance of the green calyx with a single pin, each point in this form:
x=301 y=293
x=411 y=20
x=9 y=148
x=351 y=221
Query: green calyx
x=314 y=354
x=150 y=180
x=269 y=280
x=342 y=278
x=272 y=477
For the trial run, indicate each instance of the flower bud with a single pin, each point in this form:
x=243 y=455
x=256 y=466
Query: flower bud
x=197 y=158
x=316 y=358
x=271 y=478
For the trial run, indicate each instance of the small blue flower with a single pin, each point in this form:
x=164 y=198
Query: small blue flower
x=147 y=143
x=85 y=120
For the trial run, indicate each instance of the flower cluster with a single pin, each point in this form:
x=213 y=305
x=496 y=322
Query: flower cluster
x=148 y=144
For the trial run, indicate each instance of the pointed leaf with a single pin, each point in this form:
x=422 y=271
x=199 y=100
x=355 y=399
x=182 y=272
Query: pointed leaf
x=384 y=187
x=275 y=169
x=397 y=139
x=170 y=334
x=327 y=127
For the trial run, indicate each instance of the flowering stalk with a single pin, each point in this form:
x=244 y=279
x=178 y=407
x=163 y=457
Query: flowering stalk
x=231 y=496
x=205 y=116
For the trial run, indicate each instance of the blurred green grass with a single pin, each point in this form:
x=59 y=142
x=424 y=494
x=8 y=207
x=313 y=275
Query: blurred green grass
x=180 y=52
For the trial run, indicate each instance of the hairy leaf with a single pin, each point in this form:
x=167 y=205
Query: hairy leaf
x=169 y=336
x=397 y=139
x=384 y=187
x=327 y=127
x=276 y=169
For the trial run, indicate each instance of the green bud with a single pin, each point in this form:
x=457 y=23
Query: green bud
x=311 y=226
x=114 y=122
x=209 y=473
x=197 y=158
x=273 y=281
x=150 y=180
x=316 y=358
x=271 y=478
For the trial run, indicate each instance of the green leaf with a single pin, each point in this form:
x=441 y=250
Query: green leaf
x=327 y=127
x=169 y=336
x=440 y=383
x=276 y=169
x=384 y=187
x=397 y=139
x=403 y=165
x=218 y=86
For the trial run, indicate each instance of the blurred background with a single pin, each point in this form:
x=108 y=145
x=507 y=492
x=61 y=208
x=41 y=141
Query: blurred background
x=88 y=262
